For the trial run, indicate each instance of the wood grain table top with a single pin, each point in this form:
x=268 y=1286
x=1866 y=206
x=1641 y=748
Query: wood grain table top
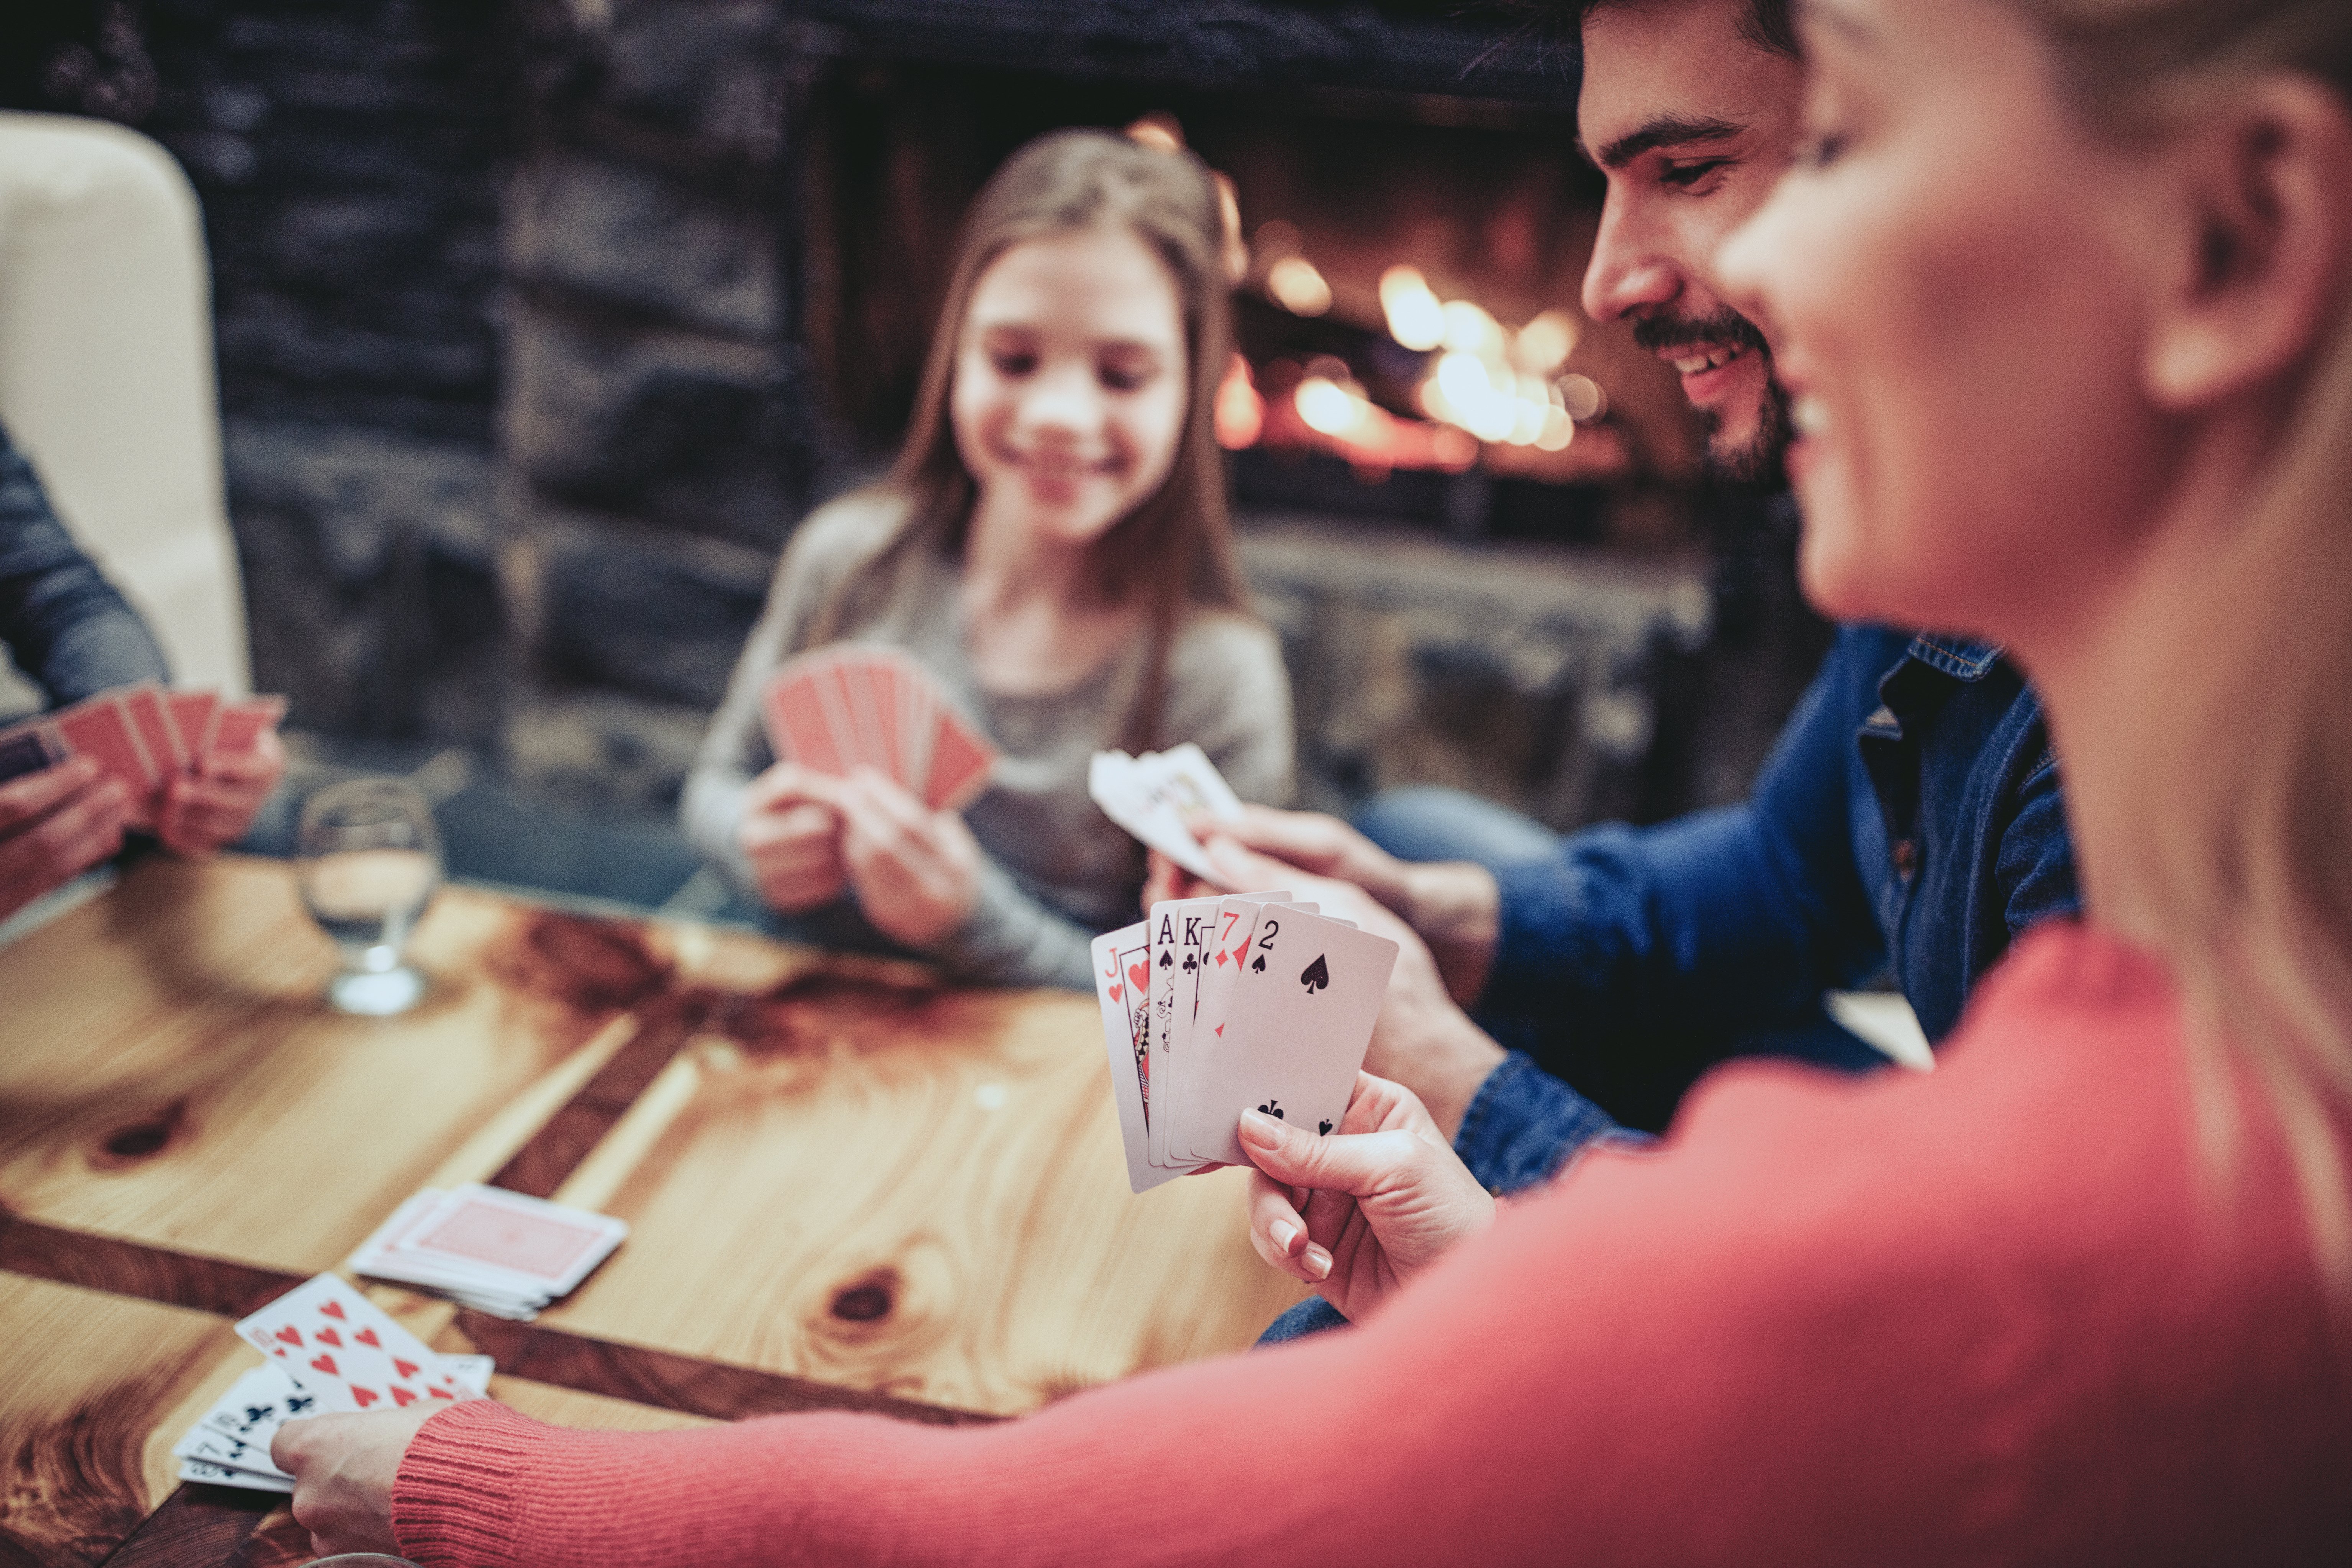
x=848 y=1184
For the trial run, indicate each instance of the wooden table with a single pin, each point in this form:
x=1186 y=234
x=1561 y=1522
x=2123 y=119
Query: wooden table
x=849 y=1186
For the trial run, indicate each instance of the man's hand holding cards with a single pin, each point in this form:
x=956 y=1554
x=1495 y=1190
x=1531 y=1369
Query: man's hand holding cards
x=1211 y=1007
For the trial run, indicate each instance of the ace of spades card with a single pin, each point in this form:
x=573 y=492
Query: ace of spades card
x=1297 y=1022
x=339 y=1345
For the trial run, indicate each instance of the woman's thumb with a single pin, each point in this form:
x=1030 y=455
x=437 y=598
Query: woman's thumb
x=1354 y=1163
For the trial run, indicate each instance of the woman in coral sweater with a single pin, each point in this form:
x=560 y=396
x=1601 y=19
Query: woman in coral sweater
x=2063 y=292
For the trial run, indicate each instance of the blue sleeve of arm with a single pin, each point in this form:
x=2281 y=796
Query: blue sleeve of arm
x=1714 y=923
x=2035 y=864
x=64 y=622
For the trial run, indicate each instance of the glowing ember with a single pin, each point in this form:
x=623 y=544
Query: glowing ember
x=1416 y=318
x=1239 y=413
x=1297 y=288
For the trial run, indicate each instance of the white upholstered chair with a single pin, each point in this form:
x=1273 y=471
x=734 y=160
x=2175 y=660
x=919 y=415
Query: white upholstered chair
x=107 y=379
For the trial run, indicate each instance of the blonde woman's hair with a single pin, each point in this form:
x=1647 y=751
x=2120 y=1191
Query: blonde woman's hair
x=2240 y=817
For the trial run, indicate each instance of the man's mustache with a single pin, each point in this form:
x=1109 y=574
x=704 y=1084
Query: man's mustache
x=1725 y=327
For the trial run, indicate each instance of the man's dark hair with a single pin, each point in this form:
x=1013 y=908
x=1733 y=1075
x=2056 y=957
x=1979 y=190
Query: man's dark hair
x=1768 y=25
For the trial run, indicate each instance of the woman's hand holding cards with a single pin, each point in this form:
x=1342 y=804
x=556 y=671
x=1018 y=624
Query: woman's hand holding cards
x=1357 y=1214
x=56 y=824
x=791 y=835
x=916 y=870
x=344 y=1467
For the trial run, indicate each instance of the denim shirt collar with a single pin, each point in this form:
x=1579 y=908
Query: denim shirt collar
x=1956 y=657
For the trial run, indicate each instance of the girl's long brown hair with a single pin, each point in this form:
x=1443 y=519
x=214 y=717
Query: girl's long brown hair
x=1175 y=550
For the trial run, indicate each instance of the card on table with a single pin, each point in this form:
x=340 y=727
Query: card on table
x=1299 y=1020
x=230 y=1445
x=343 y=1348
x=500 y=1252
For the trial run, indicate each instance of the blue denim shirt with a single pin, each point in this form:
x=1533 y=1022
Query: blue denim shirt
x=64 y=622
x=1908 y=822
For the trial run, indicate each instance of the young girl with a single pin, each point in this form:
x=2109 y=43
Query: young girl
x=1054 y=547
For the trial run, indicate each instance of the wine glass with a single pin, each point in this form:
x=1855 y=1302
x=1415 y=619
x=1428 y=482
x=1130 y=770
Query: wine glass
x=368 y=858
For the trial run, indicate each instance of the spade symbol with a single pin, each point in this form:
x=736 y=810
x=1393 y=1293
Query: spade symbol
x=1316 y=976
x=1273 y=1108
x=1259 y=967
x=1325 y=1129
x=1167 y=958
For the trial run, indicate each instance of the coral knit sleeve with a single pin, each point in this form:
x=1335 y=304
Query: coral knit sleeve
x=1996 y=1314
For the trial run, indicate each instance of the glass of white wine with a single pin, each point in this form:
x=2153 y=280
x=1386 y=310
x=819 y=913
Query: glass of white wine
x=368 y=858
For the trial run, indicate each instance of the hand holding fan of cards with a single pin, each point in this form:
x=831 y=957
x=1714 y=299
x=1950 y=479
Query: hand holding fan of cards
x=328 y=1351
x=857 y=705
x=1213 y=1006
x=143 y=736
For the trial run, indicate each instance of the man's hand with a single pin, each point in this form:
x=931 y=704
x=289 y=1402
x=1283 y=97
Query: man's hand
x=54 y=825
x=344 y=1467
x=1357 y=1214
x=1422 y=1040
x=791 y=834
x=1454 y=906
x=916 y=870
x=204 y=810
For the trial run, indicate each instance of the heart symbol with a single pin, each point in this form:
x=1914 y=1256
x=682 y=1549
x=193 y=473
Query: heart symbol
x=329 y=1337
x=403 y=1398
x=406 y=1368
x=1139 y=975
x=367 y=1337
x=325 y=1363
x=366 y=1396
x=333 y=1310
x=1221 y=1031
x=441 y=1394
x=1117 y=992
x=291 y=1334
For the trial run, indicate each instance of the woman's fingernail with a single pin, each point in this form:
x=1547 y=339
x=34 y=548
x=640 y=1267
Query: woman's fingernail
x=1318 y=1262
x=1282 y=1237
x=1260 y=1129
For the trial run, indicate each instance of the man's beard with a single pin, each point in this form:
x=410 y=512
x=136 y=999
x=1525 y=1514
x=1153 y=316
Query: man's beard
x=1758 y=463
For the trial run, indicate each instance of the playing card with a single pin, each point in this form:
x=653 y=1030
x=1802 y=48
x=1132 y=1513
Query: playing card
x=797 y=730
x=1300 y=1020
x=213 y=1474
x=961 y=761
x=192 y=713
x=549 y=1246
x=240 y=723
x=143 y=705
x=1151 y=795
x=1183 y=931
x=919 y=705
x=1191 y=1130
x=27 y=748
x=343 y=1348
x=98 y=727
x=1116 y=956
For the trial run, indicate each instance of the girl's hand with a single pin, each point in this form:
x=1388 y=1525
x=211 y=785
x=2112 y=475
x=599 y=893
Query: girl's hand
x=916 y=870
x=791 y=834
x=344 y=1467
x=204 y=810
x=1358 y=1213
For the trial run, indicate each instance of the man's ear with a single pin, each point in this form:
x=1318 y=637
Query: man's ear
x=2262 y=230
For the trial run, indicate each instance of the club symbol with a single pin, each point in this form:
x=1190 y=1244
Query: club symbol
x=1259 y=967
x=1192 y=963
x=1325 y=1129
x=1316 y=976
x=1273 y=1108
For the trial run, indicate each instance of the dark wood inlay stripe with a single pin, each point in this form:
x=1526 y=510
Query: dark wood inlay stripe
x=555 y=1151
x=672 y=1382
x=124 y=1267
x=194 y=1525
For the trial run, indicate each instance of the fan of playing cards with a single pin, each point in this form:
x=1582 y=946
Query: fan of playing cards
x=140 y=734
x=496 y=1251
x=1151 y=796
x=331 y=1351
x=1212 y=1007
x=852 y=705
